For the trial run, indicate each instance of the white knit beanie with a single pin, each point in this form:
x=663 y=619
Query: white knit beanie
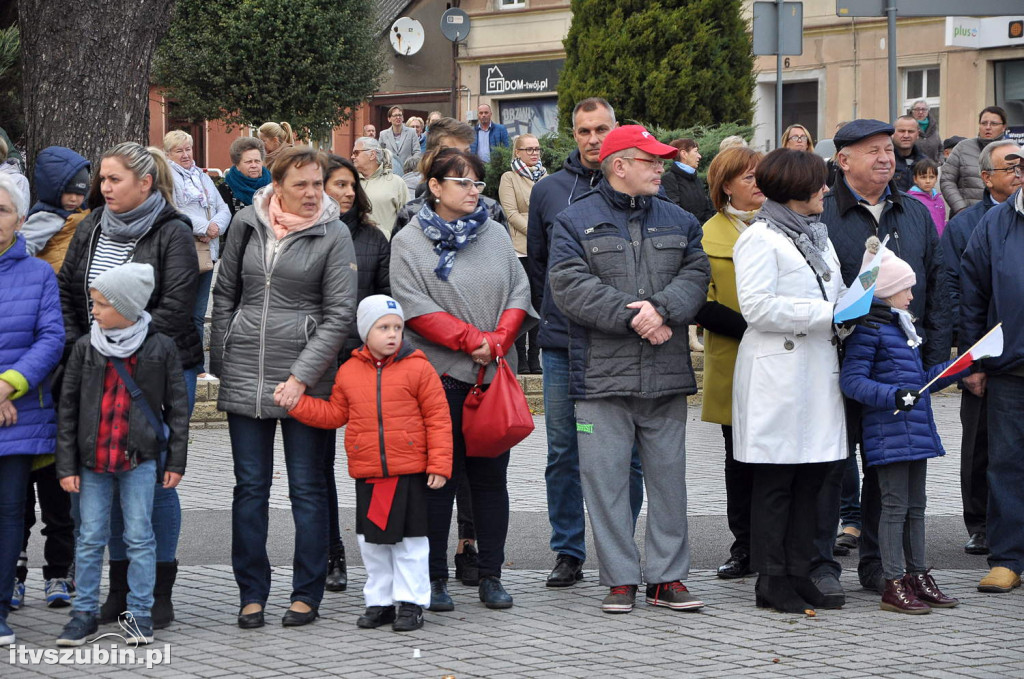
x=371 y=309
x=127 y=287
x=894 y=275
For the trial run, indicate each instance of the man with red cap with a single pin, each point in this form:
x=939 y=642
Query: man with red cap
x=628 y=271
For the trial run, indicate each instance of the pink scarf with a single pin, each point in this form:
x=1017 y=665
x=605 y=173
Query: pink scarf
x=284 y=223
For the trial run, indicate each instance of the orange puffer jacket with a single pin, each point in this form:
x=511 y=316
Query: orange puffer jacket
x=396 y=411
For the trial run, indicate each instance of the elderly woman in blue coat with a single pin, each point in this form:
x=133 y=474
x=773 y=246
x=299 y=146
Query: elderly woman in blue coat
x=31 y=345
x=883 y=371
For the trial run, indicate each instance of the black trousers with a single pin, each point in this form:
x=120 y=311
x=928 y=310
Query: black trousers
x=488 y=487
x=58 y=528
x=783 y=517
x=974 y=461
x=739 y=481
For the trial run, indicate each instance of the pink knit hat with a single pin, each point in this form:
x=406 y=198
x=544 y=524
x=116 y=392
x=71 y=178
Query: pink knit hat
x=894 y=275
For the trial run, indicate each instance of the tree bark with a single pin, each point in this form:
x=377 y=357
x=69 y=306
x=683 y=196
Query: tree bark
x=86 y=71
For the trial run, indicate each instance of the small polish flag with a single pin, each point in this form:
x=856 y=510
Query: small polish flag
x=988 y=346
x=991 y=344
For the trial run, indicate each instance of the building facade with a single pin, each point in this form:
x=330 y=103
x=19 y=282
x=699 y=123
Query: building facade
x=513 y=54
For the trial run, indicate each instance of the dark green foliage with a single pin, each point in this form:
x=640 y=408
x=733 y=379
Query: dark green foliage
x=555 y=148
x=677 y=62
x=251 y=61
x=12 y=118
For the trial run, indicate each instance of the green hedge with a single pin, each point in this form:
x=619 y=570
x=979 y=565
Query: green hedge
x=555 y=148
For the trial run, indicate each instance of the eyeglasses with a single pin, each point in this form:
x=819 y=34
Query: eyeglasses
x=920 y=109
x=798 y=137
x=356 y=152
x=466 y=183
x=657 y=161
x=531 y=149
x=397 y=115
x=989 y=123
x=1017 y=170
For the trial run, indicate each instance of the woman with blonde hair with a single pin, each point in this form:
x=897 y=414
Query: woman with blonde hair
x=134 y=219
x=276 y=137
x=514 y=195
x=798 y=138
x=737 y=199
x=196 y=197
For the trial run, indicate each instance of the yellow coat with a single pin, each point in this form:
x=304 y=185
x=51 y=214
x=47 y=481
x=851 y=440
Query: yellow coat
x=58 y=244
x=720 y=235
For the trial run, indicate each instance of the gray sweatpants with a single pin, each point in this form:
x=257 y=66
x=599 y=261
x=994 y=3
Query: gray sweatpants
x=606 y=429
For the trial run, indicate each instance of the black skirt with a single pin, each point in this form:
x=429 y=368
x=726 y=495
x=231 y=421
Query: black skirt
x=408 y=518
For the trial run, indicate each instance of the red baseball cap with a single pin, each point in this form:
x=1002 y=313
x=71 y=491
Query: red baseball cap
x=635 y=137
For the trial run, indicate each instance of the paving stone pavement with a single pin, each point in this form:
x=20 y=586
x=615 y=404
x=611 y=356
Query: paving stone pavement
x=560 y=633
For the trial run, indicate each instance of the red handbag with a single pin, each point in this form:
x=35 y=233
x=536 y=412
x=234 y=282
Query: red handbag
x=496 y=419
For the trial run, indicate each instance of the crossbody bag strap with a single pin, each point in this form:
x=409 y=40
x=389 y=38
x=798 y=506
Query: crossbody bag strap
x=140 y=400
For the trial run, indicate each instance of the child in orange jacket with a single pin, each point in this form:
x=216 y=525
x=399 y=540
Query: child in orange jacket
x=399 y=444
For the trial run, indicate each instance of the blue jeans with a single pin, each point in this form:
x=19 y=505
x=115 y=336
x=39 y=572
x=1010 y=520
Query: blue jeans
x=136 y=499
x=166 y=525
x=562 y=475
x=199 y=309
x=14 y=471
x=252 y=449
x=1005 y=395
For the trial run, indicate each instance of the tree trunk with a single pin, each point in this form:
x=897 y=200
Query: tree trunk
x=86 y=71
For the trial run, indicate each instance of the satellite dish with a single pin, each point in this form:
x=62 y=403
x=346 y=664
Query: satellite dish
x=455 y=24
x=406 y=36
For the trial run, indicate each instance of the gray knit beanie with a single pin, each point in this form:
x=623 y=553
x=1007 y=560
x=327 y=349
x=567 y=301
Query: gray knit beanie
x=371 y=309
x=127 y=288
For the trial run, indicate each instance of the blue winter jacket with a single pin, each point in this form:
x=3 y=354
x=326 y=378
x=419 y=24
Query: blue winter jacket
x=31 y=345
x=497 y=135
x=992 y=284
x=878 y=362
x=954 y=241
x=55 y=167
x=550 y=196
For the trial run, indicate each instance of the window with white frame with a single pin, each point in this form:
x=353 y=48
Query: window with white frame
x=921 y=83
x=511 y=4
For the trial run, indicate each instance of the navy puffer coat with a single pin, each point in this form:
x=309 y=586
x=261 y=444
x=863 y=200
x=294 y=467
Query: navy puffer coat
x=879 y=362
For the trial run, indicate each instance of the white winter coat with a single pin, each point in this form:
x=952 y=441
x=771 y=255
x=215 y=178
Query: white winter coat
x=786 y=404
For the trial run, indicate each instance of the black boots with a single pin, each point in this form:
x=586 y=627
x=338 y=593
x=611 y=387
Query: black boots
x=163 y=609
x=337 y=571
x=117 y=595
x=776 y=591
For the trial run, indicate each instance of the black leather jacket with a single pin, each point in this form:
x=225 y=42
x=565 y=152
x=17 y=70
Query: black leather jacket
x=158 y=374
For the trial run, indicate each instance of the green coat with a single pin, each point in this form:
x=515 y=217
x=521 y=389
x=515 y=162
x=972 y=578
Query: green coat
x=720 y=235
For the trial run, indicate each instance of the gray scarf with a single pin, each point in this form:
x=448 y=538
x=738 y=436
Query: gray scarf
x=133 y=224
x=808 y=234
x=121 y=342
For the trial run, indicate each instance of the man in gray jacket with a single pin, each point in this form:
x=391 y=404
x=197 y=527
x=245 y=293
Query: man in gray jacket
x=628 y=271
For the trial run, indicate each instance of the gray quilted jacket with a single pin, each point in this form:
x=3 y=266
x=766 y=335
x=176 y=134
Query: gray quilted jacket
x=960 y=181
x=297 y=305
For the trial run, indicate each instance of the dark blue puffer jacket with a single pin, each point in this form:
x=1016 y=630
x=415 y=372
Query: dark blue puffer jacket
x=31 y=345
x=879 y=362
x=55 y=167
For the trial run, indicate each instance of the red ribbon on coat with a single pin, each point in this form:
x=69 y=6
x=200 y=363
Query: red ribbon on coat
x=381 y=500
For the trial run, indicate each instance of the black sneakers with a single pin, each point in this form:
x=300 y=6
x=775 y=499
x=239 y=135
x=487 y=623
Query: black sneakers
x=375 y=616
x=410 y=617
x=620 y=599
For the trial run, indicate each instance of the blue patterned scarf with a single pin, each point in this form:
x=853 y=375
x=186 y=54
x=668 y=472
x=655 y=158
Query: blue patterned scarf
x=243 y=187
x=450 y=237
